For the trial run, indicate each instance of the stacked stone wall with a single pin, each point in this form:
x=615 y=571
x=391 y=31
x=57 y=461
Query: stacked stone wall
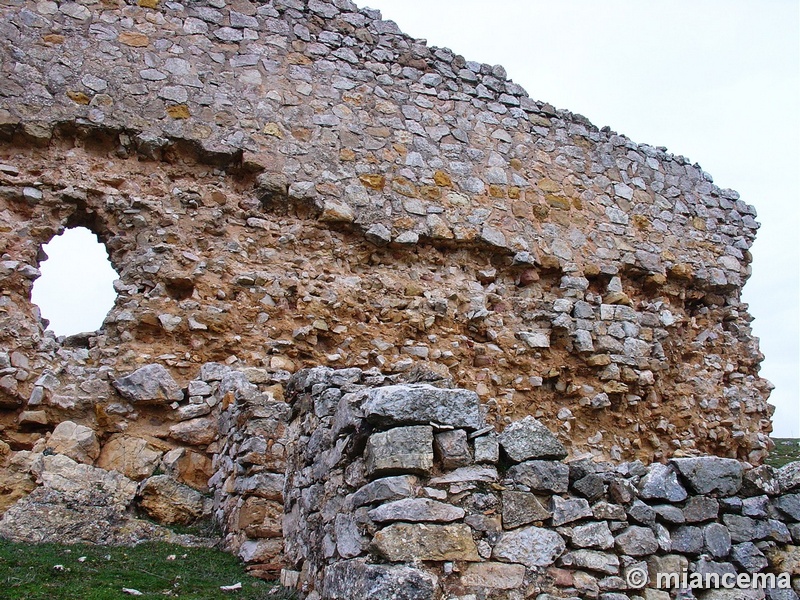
x=400 y=491
x=249 y=470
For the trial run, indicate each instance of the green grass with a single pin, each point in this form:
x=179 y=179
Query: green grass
x=28 y=572
x=786 y=450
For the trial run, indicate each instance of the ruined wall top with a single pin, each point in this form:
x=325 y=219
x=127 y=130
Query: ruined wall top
x=367 y=123
x=259 y=172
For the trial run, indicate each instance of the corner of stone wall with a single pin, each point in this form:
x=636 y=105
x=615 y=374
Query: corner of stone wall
x=401 y=491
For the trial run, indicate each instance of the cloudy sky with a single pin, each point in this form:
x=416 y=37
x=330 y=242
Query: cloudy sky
x=717 y=81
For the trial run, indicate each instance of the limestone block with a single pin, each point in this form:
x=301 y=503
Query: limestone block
x=407 y=542
x=349 y=540
x=711 y=474
x=260 y=551
x=592 y=535
x=358 y=579
x=541 y=475
x=131 y=456
x=637 y=541
x=530 y=546
x=402 y=449
x=189 y=467
x=422 y=404
x=452 y=448
x=261 y=518
x=567 y=510
x=600 y=562
x=34 y=418
x=384 y=489
x=76 y=441
x=528 y=438
x=196 y=432
x=661 y=482
x=494 y=575
x=487 y=449
x=521 y=508
x=416 y=510
x=170 y=502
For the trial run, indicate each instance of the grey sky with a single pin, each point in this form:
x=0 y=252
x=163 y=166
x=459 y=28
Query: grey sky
x=717 y=81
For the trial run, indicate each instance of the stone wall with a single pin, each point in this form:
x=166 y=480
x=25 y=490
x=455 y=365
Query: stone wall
x=401 y=491
x=286 y=184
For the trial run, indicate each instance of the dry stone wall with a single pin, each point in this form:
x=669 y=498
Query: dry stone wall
x=402 y=491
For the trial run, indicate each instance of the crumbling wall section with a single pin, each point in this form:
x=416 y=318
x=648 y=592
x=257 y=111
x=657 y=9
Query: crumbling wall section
x=297 y=183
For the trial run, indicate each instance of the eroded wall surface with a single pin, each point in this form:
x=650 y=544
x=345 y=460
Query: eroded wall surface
x=287 y=184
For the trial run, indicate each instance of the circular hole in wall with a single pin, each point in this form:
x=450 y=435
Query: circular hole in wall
x=75 y=291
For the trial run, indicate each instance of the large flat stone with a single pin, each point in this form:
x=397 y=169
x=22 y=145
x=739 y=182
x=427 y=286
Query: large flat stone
x=351 y=579
x=602 y=562
x=383 y=489
x=542 y=475
x=528 y=438
x=416 y=510
x=464 y=474
x=530 y=546
x=493 y=575
x=406 y=542
x=707 y=474
x=148 y=385
x=422 y=404
x=402 y=449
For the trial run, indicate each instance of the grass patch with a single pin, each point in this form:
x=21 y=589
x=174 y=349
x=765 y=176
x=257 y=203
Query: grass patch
x=786 y=450
x=29 y=572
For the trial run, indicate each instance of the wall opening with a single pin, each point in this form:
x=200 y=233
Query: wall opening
x=75 y=291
